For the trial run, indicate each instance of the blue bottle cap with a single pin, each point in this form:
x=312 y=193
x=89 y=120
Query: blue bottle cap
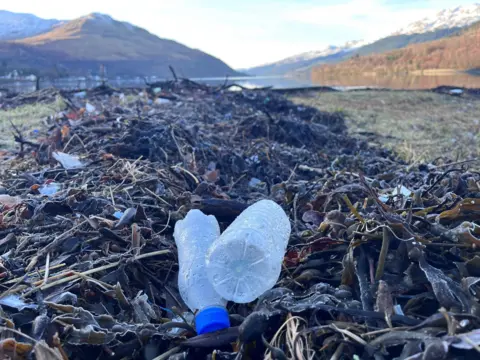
x=211 y=319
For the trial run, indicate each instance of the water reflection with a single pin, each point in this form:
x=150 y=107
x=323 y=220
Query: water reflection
x=277 y=82
x=400 y=81
x=74 y=84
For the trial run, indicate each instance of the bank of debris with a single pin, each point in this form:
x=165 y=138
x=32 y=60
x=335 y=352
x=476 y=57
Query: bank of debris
x=382 y=262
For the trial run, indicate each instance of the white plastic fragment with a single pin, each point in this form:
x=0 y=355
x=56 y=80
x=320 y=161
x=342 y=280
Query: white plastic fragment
x=67 y=161
x=9 y=201
x=456 y=92
x=403 y=191
x=80 y=94
x=14 y=301
x=49 y=189
x=90 y=108
x=161 y=101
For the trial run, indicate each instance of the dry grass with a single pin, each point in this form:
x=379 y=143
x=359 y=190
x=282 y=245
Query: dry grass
x=297 y=344
x=27 y=118
x=420 y=126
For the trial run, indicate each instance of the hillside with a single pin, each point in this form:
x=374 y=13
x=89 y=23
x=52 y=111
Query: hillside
x=442 y=24
x=298 y=64
x=80 y=46
x=386 y=44
x=457 y=52
x=460 y=16
x=298 y=61
x=18 y=26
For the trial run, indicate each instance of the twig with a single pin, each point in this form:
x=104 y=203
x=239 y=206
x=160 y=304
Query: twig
x=383 y=254
x=440 y=179
x=101 y=268
x=167 y=224
x=47 y=269
x=292 y=173
x=158 y=197
x=458 y=163
x=295 y=201
x=167 y=354
x=111 y=195
x=95 y=281
x=349 y=334
x=173 y=73
x=468 y=340
x=172 y=132
x=336 y=355
x=382 y=331
x=353 y=209
x=236 y=182
x=188 y=172
x=75 y=136
x=33 y=273
x=60 y=238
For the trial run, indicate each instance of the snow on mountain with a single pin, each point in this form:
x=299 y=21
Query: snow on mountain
x=441 y=22
x=305 y=59
x=448 y=18
x=100 y=16
x=18 y=26
x=330 y=50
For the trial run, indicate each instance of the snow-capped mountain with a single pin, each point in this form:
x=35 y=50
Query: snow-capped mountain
x=18 y=26
x=305 y=59
x=83 y=45
x=442 y=24
x=330 y=50
x=448 y=18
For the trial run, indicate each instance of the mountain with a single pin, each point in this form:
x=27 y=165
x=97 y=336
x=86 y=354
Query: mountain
x=81 y=46
x=458 y=52
x=443 y=24
x=18 y=26
x=458 y=17
x=304 y=59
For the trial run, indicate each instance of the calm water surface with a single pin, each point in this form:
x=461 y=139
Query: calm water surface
x=393 y=82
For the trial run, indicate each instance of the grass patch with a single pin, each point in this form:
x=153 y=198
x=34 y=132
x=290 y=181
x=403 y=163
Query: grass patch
x=419 y=126
x=27 y=118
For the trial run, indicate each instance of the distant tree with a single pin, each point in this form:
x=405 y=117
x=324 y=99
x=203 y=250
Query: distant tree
x=59 y=71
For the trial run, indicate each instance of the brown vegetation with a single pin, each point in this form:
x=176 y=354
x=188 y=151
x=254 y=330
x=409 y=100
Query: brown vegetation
x=460 y=52
x=417 y=125
x=81 y=45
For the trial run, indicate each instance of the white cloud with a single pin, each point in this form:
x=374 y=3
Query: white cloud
x=250 y=32
x=371 y=18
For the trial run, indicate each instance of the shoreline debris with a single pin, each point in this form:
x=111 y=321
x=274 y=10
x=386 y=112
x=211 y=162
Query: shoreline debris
x=371 y=270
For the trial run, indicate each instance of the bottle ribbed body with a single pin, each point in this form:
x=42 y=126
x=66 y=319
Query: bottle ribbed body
x=246 y=260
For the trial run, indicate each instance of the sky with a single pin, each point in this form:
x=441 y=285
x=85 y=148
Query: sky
x=246 y=33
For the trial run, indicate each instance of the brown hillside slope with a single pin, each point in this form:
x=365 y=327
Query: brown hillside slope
x=81 y=45
x=460 y=52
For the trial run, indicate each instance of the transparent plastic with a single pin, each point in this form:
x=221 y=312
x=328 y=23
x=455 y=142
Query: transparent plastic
x=246 y=260
x=193 y=236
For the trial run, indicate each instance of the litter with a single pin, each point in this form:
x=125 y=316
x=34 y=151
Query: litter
x=97 y=263
x=193 y=237
x=67 y=161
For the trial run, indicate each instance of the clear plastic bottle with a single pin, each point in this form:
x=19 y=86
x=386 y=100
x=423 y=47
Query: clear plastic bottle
x=193 y=236
x=246 y=260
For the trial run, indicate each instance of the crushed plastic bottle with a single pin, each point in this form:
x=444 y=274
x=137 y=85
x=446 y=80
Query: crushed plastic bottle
x=49 y=189
x=246 y=260
x=193 y=236
x=67 y=161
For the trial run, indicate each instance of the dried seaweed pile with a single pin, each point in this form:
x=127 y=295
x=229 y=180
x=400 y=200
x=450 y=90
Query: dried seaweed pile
x=382 y=262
